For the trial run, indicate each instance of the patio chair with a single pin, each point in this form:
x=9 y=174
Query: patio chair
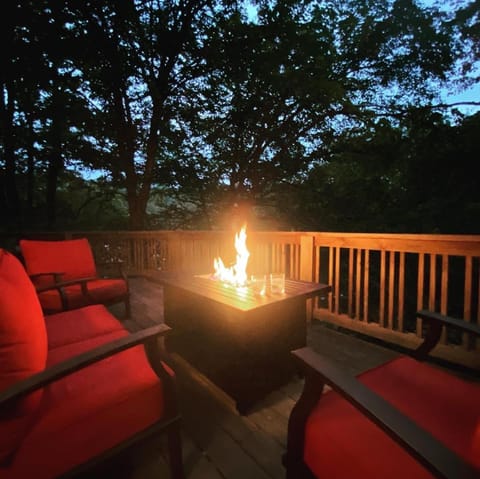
x=70 y=266
x=76 y=388
x=403 y=419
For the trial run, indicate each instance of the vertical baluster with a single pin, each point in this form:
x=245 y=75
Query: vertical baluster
x=381 y=306
x=391 y=288
x=420 y=279
x=467 y=297
x=331 y=300
x=351 y=254
x=366 y=281
x=337 y=279
x=358 y=283
x=444 y=295
x=433 y=282
x=401 y=290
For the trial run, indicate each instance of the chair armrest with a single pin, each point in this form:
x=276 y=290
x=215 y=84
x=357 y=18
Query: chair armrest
x=60 y=284
x=64 y=368
x=57 y=276
x=435 y=321
x=449 y=321
x=318 y=370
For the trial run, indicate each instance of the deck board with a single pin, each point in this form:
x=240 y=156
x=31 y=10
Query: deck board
x=218 y=443
x=210 y=418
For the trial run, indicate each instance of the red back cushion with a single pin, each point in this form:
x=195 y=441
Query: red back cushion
x=23 y=347
x=74 y=258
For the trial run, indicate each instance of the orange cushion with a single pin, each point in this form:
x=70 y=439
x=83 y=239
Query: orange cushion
x=340 y=442
x=106 y=289
x=90 y=411
x=99 y=291
x=23 y=347
x=79 y=325
x=72 y=257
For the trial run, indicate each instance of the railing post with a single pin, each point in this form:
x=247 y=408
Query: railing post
x=307 y=251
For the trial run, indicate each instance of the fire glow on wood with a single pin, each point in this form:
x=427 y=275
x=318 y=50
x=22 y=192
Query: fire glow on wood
x=236 y=274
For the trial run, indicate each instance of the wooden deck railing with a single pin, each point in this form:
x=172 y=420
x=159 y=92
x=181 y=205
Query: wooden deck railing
x=378 y=280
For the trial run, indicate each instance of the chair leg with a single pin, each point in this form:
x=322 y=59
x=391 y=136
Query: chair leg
x=128 y=308
x=175 y=452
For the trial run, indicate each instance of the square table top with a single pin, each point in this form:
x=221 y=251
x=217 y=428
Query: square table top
x=242 y=298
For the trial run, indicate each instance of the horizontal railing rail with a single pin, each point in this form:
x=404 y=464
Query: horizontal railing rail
x=378 y=281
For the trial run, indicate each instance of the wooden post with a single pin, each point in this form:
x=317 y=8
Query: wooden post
x=307 y=254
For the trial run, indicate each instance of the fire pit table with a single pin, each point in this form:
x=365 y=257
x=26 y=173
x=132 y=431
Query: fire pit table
x=239 y=340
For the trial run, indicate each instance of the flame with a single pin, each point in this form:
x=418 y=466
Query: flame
x=237 y=273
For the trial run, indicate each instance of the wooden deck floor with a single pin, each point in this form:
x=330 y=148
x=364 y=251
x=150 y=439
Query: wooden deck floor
x=218 y=443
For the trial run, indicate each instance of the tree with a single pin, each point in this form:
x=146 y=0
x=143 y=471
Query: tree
x=416 y=177
x=275 y=93
x=42 y=116
x=204 y=106
x=135 y=71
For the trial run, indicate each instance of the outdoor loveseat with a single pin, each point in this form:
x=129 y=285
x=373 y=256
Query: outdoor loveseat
x=76 y=387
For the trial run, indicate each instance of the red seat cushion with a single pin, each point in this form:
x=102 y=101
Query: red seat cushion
x=79 y=325
x=74 y=258
x=90 y=411
x=342 y=443
x=99 y=291
x=106 y=290
x=23 y=347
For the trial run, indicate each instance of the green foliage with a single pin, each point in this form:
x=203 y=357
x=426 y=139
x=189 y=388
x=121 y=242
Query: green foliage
x=418 y=178
x=320 y=111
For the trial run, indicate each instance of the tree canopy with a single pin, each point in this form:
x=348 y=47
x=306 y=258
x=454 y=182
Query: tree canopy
x=165 y=114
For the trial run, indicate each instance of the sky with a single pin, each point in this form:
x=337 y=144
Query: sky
x=472 y=94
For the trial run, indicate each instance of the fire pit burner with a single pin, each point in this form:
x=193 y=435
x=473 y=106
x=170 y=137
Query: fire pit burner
x=239 y=340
